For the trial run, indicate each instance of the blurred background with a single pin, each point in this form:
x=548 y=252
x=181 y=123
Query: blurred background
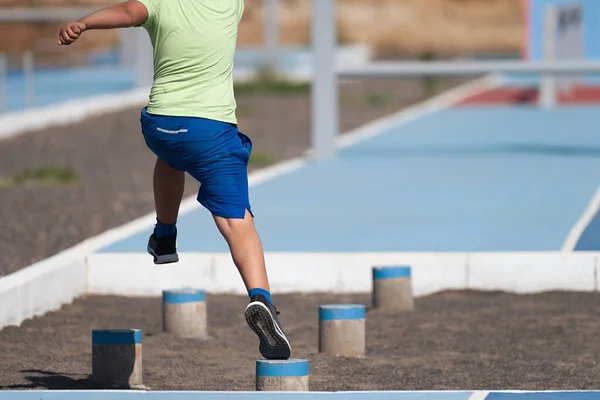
x=380 y=29
x=458 y=154
x=62 y=184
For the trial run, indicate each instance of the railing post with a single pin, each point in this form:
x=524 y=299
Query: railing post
x=29 y=78
x=324 y=95
x=144 y=58
x=3 y=82
x=127 y=48
x=548 y=83
x=271 y=32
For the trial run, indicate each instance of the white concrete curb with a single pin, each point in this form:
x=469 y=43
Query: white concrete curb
x=133 y=274
x=69 y=112
x=42 y=287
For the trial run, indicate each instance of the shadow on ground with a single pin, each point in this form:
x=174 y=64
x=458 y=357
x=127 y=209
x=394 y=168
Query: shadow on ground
x=53 y=380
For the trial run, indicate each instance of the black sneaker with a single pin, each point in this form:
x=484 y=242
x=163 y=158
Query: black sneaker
x=261 y=317
x=164 y=249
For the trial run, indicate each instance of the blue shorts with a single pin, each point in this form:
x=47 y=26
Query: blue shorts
x=215 y=153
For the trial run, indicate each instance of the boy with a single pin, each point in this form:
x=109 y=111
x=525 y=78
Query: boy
x=190 y=124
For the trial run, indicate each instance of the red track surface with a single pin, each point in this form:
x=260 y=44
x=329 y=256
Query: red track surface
x=530 y=95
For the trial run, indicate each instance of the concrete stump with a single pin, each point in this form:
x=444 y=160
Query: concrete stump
x=342 y=330
x=392 y=288
x=184 y=313
x=117 y=358
x=282 y=375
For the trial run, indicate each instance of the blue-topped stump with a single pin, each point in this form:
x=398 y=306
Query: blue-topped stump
x=184 y=313
x=117 y=358
x=342 y=330
x=392 y=288
x=282 y=375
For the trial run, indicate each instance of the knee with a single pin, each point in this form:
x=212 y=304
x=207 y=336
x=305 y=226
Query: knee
x=235 y=226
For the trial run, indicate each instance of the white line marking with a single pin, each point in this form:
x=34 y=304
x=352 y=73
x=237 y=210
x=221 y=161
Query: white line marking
x=172 y=132
x=582 y=223
x=479 y=395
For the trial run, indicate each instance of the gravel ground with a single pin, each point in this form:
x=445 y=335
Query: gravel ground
x=452 y=341
x=107 y=177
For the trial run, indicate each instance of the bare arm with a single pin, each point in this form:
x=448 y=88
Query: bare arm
x=122 y=15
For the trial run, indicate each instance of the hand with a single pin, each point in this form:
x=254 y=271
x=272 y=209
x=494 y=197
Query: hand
x=70 y=33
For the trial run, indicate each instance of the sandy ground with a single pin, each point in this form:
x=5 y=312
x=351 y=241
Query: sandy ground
x=452 y=341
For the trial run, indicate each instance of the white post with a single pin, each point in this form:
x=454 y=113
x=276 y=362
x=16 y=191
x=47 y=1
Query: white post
x=3 y=82
x=144 y=58
x=324 y=101
x=561 y=51
x=548 y=84
x=127 y=47
x=576 y=41
x=29 y=77
x=569 y=40
x=271 y=32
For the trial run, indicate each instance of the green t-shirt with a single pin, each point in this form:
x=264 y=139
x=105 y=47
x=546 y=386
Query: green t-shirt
x=194 y=44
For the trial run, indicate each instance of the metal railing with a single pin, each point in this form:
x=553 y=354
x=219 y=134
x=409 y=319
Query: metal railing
x=325 y=105
x=135 y=48
x=462 y=68
x=45 y=14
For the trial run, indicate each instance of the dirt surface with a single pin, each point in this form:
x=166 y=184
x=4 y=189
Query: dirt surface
x=452 y=341
x=61 y=186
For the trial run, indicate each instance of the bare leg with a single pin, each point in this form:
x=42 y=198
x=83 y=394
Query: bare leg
x=246 y=250
x=248 y=256
x=169 y=184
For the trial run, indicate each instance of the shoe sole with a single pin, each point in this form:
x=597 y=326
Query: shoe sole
x=164 y=259
x=274 y=345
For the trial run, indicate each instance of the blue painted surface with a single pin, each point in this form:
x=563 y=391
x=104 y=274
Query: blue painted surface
x=330 y=312
x=533 y=80
x=591 y=27
x=290 y=367
x=178 y=296
x=544 y=396
x=55 y=85
x=117 y=336
x=391 y=272
x=467 y=179
x=590 y=237
x=129 y=395
x=70 y=395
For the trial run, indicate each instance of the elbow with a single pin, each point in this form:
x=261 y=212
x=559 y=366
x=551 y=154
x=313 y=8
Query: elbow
x=129 y=17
